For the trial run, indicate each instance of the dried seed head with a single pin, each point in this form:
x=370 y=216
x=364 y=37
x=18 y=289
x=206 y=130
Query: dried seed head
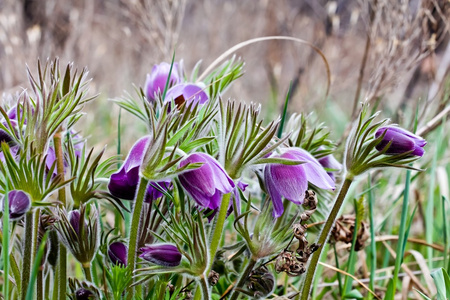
x=299 y=230
x=310 y=202
x=213 y=278
x=287 y=262
x=343 y=231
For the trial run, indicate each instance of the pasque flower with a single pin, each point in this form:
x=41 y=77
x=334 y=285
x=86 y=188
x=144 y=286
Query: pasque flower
x=161 y=254
x=156 y=80
x=117 y=253
x=192 y=93
x=84 y=294
x=79 y=235
x=291 y=181
x=330 y=162
x=207 y=183
x=123 y=183
x=402 y=141
x=19 y=203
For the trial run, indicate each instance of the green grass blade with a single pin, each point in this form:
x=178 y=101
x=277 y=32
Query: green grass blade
x=168 y=76
x=429 y=208
x=359 y=212
x=37 y=263
x=373 y=245
x=283 y=117
x=445 y=228
x=401 y=239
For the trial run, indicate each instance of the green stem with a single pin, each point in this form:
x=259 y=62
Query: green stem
x=62 y=272
x=324 y=236
x=218 y=229
x=373 y=245
x=62 y=253
x=40 y=285
x=134 y=229
x=27 y=250
x=205 y=289
x=251 y=264
x=87 y=272
x=198 y=293
x=5 y=242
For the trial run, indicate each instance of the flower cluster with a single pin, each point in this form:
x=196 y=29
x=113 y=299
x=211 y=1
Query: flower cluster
x=203 y=166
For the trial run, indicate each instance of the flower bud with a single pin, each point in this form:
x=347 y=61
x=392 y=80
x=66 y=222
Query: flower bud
x=402 y=141
x=156 y=80
x=84 y=294
x=74 y=219
x=79 y=235
x=161 y=254
x=117 y=253
x=261 y=282
x=19 y=203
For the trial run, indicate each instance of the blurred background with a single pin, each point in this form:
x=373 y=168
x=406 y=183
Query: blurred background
x=399 y=47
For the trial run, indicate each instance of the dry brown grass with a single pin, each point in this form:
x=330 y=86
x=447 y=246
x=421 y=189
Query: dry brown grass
x=119 y=41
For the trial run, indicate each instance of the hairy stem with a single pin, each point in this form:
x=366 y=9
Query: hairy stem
x=248 y=269
x=204 y=287
x=27 y=251
x=373 y=246
x=134 y=229
x=87 y=272
x=324 y=236
x=40 y=286
x=62 y=253
x=218 y=229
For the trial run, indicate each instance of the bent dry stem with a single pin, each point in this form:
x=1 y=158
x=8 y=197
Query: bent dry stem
x=323 y=237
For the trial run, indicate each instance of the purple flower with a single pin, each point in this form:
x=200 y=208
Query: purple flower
x=207 y=183
x=329 y=162
x=402 y=141
x=13 y=150
x=19 y=204
x=117 y=253
x=84 y=294
x=123 y=183
x=191 y=93
x=161 y=254
x=156 y=80
x=4 y=136
x=74 y=219
x=291 y=182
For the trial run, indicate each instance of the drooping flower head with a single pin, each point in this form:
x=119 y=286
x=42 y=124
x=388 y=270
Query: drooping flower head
x=161 y=254
x=19 y=203
x=402 y=141
x=208 y=183
x=117 y=253
x=123 y=183
x=156 y=80
x=291 y=181
x=190 y=93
